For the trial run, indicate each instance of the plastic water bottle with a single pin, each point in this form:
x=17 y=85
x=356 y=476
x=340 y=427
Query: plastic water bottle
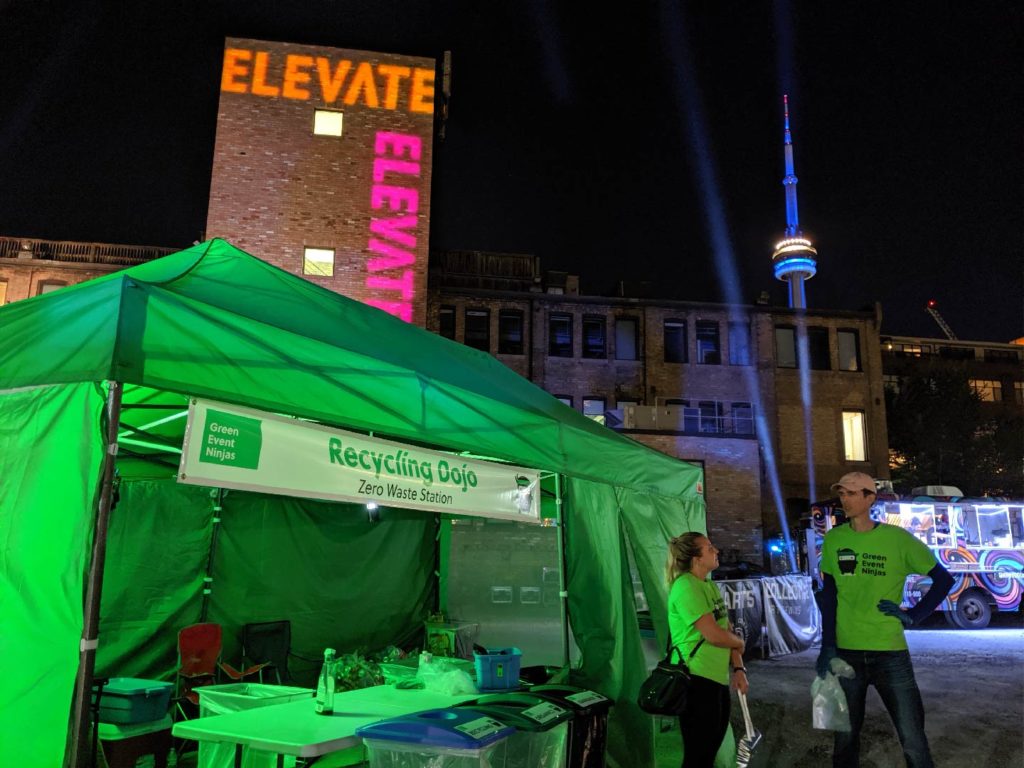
x=325 y=686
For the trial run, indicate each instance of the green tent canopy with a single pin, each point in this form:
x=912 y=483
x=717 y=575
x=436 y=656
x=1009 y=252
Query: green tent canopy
x=217 y=323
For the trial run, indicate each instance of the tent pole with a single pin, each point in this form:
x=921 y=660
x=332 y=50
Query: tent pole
x=90 y=631
x=563 y=594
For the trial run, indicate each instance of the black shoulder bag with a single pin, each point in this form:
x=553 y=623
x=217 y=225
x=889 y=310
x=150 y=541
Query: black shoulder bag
x=664 y=691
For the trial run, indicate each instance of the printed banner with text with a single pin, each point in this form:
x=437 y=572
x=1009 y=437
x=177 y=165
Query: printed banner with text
x=231 y=447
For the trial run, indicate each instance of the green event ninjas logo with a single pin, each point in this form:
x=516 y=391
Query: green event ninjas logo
x=231 y=440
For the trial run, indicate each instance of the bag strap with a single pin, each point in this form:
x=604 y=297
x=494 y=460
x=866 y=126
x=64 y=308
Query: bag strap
x=669 y=648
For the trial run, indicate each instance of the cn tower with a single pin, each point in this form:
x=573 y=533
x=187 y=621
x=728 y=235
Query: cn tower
x=794 y=259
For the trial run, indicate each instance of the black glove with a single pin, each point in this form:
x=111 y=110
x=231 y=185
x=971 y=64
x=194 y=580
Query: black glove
x=828 y=652
x=889 y=608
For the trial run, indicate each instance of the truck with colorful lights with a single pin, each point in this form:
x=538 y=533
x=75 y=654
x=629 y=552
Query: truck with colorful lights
x=980 y=542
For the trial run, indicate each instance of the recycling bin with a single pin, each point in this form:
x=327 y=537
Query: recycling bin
x=542 y=727
x=237 y=697
x=438 y=738
x=588 y=730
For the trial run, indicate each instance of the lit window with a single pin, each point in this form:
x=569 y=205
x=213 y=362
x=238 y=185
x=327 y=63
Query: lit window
x=560 y=335
x=594 y=345
x=1018 y=392
x=625 y=338
x=849 y=351
x=785 y=346
x=739 y=343
x=3 y=292
x=675 y=341
x=564 y=399
x=853 y=436
x=708 y=350
x=446 y=322
x=318 y=261
x=510 y=332
x=327 y=122
x=478 y=329
x=593 y=408
x=987 y=390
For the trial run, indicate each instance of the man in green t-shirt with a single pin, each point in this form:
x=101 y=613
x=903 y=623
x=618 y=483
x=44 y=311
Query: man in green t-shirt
x=864 y=565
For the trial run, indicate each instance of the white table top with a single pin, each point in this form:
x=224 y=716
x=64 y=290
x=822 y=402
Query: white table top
x=295 y=729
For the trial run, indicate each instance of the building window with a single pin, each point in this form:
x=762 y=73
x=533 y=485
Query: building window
x=3 y=292
x=593 y=408
x=854 y=436
x=478 y=329
x=1018 y=392
x=675 y=341
x=785 y=346
x=510 y=332
x=49 y=286
x=318 y=261
x=892 y=383
x=849 y=350
x=594 y=343
x=739 y=343
x=708 y=350
x=327 y=122
x=564 y=399
x=446 y=322
x=560 y=335
x=988 y=391
x=1001 y=355
x=710 y=416
x=625 y=338
x=742 y=418
x=817 y=349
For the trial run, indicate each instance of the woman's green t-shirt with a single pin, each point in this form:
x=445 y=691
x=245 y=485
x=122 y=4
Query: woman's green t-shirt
x=689 y=598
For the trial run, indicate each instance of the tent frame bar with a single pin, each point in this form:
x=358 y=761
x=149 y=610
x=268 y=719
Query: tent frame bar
x=79 y=757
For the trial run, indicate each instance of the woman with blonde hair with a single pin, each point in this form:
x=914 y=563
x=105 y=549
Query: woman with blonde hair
x=700 y=631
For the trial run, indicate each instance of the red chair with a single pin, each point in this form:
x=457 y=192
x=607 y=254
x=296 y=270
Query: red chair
x=198 y=655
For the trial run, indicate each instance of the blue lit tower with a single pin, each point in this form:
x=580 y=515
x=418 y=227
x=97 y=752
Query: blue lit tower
x=794 y=259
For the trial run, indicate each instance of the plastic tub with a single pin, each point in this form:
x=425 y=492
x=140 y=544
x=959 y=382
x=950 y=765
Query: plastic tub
x=238 y=697
x=438 y=738
x=588 y=730
x=498 y=669
x=134 y=700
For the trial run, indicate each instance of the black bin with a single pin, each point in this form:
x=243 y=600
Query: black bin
x=542 y=727
x=588 y=730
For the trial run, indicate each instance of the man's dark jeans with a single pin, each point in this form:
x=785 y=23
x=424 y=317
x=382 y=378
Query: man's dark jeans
x=892 y=674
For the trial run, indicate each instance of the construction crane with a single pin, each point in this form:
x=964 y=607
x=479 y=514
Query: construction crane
x=933 y=309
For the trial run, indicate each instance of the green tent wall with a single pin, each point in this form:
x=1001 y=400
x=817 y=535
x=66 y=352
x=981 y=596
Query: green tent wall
x=214 y=322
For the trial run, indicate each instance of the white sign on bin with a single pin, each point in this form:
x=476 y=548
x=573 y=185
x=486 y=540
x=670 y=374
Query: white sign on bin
x=544 y=712
x=480 y=728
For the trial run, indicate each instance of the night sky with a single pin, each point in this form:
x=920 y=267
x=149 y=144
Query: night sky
x=639 y=144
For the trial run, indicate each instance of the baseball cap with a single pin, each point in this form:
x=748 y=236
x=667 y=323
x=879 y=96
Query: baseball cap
x=855 y=481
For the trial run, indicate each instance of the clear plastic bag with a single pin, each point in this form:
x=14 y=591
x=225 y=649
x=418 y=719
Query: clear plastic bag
x=829 y=710
x=443 y=676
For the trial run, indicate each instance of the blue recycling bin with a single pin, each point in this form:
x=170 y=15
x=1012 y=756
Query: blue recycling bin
x=439 y=738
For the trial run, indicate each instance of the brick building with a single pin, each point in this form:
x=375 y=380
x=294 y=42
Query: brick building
x=322 y=166
x=689 y=379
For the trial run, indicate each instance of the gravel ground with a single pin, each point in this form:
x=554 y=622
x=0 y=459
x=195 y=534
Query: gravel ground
x=972 y=683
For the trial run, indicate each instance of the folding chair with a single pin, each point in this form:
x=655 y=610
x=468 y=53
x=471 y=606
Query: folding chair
x=198 y=653
x=266 y=645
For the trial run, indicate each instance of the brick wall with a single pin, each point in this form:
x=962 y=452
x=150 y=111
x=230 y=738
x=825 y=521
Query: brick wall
x=277 y=188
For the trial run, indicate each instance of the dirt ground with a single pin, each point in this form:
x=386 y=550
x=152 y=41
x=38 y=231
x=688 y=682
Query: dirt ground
x=972 y=683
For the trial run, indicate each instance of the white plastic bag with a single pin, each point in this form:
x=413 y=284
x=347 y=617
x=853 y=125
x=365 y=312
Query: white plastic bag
x=829 y=710
x=441 y=676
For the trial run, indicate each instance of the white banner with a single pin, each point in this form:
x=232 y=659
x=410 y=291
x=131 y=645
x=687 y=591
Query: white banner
x=231 y=447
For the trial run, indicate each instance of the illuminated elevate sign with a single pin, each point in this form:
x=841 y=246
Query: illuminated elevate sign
x=231 y=447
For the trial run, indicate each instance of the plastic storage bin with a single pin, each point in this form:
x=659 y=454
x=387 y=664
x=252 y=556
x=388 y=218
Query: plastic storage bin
x=542 y=728
x=438 y=738
x=588 y=730
x=237 y=697
x=134 y=700
x=498 y=669
x=122 y=745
